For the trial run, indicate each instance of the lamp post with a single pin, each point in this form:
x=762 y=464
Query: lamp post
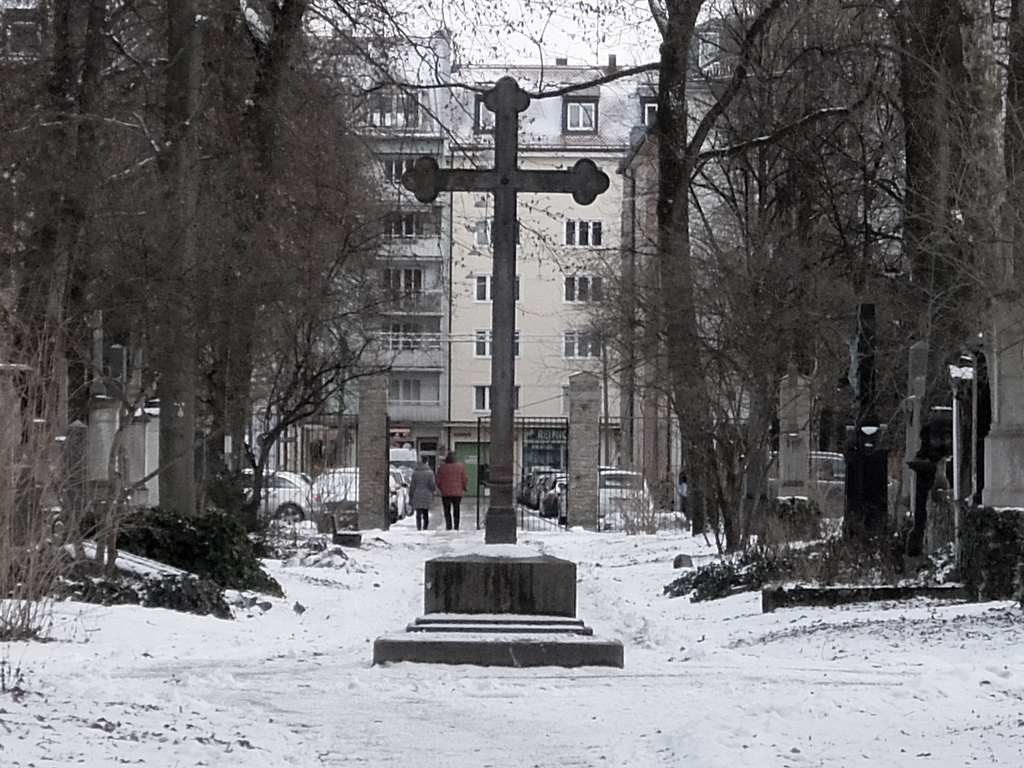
x=957 y=375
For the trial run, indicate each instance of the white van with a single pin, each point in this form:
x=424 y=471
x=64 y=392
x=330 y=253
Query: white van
x=404 y=460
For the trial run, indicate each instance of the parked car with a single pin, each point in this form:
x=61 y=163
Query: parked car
x=622 y=494
x=554 y=489
x=338 y=492
x=399 y=503
x=531 y=487
x=284 y=495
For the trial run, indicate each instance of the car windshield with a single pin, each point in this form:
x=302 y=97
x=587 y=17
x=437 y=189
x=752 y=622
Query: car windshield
x=627 y=480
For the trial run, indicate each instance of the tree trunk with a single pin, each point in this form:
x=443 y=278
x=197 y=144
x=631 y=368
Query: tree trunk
x=176 y=358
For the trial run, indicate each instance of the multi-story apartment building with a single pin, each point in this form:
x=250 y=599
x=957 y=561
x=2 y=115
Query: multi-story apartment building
x=401 y=125
x=564 y=252
x=436 y=334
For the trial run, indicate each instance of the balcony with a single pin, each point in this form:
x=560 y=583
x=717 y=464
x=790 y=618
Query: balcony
x=416 y=357
x=415 y=410
x=412 y=249
x=423 y=303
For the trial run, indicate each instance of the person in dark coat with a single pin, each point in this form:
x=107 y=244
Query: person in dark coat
x=452 y=480
x=421 y=493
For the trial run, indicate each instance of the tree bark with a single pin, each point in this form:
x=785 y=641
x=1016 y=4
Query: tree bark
x=179 y=164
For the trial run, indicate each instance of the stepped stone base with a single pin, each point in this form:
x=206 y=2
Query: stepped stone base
x=499 y=640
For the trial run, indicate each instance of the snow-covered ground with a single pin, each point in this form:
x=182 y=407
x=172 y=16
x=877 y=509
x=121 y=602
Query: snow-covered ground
x=704 y=685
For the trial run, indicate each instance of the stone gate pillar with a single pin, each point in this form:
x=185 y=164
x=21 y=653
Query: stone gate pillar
x=584 y=449
x=372 y=453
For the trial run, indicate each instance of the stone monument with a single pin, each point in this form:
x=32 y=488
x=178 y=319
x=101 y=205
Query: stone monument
x=501 y=605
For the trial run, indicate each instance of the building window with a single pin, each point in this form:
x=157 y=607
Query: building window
x=484 y=291
x=579 y=115
x=483 y=232
x=403 y=282
x=482 y=344
x=483 y=118
x=482 y=397
x=583 y=289
x=648 y=111
x=390 y=108
x=411 y=225
x=580 y=344
x=581 y=233
x=396 y=165
x=405 y=390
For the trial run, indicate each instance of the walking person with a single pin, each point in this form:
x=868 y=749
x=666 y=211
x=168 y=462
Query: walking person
x=452 y=480
x=683 y=492
x=421 y=493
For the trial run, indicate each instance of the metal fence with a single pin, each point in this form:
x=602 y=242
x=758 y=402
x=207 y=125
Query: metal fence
x=541 y=490
x=542 y=453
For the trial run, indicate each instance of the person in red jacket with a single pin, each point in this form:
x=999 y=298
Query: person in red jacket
x=452 y=480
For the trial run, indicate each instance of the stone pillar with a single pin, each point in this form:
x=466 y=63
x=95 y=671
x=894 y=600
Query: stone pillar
x=794 y=434
x=584 y=449
x=103 y=415
x=372 y=453
x=916 y=378
x=139 y=462
x=1004 y=446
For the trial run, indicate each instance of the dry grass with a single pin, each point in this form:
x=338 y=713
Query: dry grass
x=31 y=555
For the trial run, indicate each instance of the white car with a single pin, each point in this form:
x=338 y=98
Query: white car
x=622 y=495
x=284 y=495
x=338 y=491
x=399 y=501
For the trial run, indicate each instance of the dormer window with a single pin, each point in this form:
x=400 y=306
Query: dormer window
x=648 y=110
x=579 y=115
x=483 y=118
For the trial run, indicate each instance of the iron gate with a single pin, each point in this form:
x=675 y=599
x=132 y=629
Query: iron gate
x=540 y=455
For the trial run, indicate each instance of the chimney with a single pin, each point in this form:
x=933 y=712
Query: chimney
x=561 y=62
x=612 y=63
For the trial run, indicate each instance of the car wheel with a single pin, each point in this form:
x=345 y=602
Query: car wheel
x=290 y=513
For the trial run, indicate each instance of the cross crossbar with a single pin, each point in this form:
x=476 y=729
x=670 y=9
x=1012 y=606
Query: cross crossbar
x=585 y=181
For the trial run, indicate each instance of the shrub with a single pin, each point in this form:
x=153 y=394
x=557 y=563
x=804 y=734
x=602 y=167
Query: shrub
x=184 y=593
x=744 y=572
x=791 y=518
x=992 y=551
x=212 y=546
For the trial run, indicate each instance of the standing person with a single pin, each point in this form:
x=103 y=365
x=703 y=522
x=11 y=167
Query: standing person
x=683 y=492
x=421 y=492
x=452 y=480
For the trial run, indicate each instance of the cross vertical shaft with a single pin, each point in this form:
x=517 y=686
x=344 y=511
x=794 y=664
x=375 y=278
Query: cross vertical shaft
x=506 y=101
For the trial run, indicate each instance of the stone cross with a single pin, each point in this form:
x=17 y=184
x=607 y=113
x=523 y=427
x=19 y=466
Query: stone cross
x=585 y=182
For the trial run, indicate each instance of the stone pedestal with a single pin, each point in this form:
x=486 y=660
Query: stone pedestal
x=525 y=583
x=501 y=605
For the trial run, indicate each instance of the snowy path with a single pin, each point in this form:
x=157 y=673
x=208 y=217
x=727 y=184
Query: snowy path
x=714 y=685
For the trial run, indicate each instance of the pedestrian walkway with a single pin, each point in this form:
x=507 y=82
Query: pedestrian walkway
x=436 y=516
